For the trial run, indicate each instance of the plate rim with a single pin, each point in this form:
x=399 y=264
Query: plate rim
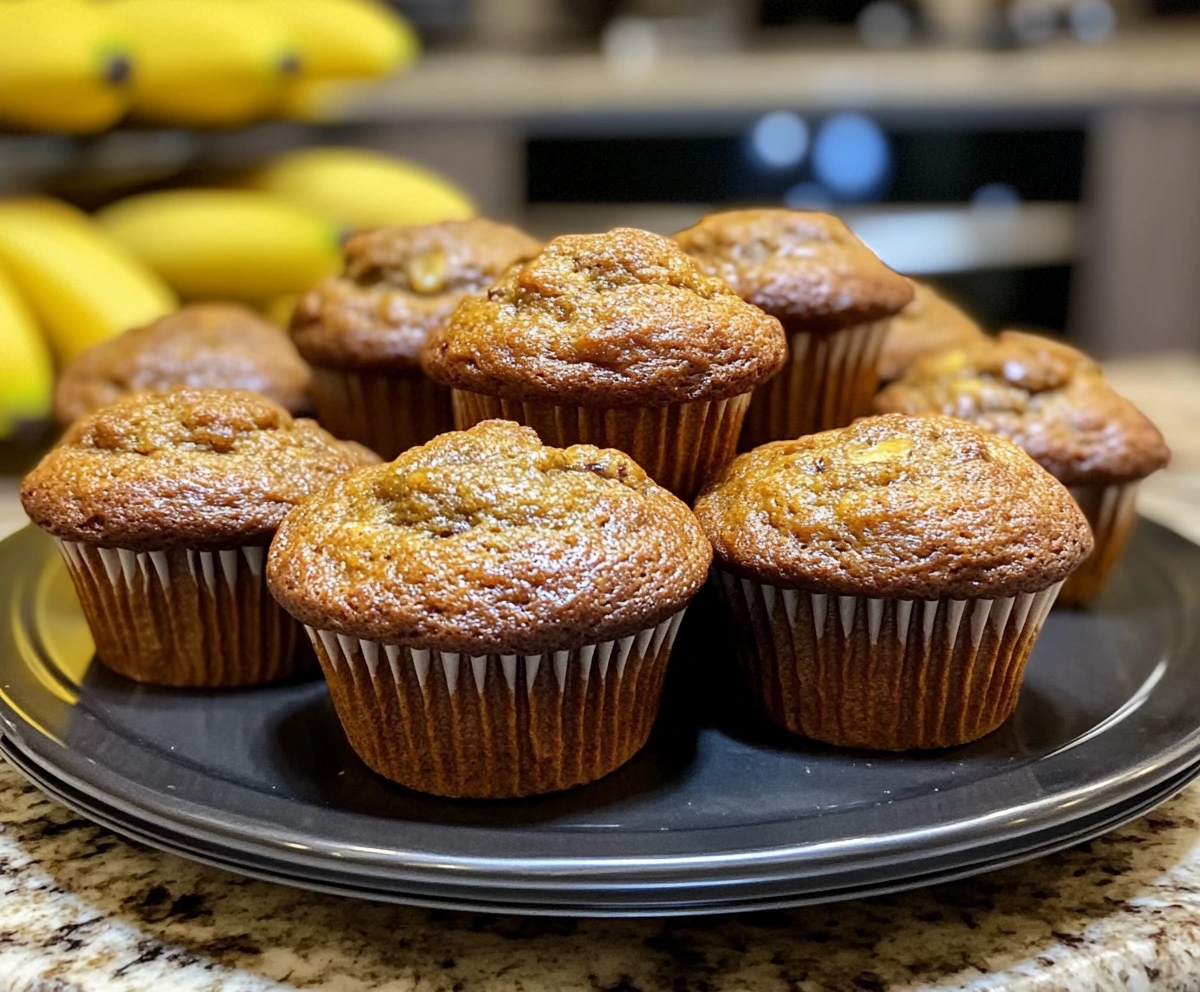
x=1140 y=805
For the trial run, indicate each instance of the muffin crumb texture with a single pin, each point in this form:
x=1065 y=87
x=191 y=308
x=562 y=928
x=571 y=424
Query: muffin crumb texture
x=1047 y=397
x=203 y=469
x=487 y=541
x=617 y=319
x=895 y=506
x=399 y=284
x=806 y=268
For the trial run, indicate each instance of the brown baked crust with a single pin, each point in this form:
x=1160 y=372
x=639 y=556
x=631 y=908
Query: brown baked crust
x=1048 y=398
x=929 y=324
x=618 y=319
x=486 y=541
x=895 y=506
x=203 y=469
x=399 y=284
x=201 y=346
x=806 y=268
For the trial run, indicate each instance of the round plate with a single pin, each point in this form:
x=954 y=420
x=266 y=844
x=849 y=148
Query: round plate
x=718 y=811
x=920 y=873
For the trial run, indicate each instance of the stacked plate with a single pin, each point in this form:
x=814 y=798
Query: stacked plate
x=718 y=813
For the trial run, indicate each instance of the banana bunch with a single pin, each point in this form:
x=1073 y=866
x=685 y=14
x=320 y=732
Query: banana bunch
x=82 y=287
x=69 y=280
x=64 y=66
x=62 y=282
x=280 y=231
x=80 y=65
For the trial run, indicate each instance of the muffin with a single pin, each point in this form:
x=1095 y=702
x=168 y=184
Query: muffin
x=163 y=505
x=614 y=339
x=888 y=579
x=929 y=324
x=493 y=616
x=202 y=346
x=1053 y=401
x=833 y=297
x=364 y=330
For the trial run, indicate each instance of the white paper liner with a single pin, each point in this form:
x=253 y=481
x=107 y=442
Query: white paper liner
x=184 y=617
x=884 y=673
x=1111 y=512
x=500 y=724
x=828 y=381
x=388 y=412
x=680 y=445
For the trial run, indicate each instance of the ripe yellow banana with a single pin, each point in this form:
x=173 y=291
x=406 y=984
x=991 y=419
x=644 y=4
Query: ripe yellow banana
x=236 y=244
x=82 y=286
x=63 y=66
x=359 y=188
x=26 y=373
x=342 y=39
x=205 y=62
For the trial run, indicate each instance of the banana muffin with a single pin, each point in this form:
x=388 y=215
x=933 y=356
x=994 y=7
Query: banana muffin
x=931 y=323
x=201 y=346
x=163 y=505
x=833 y=297
x=615 y=339
x=364 y=331
x=494 y=616
x=1053 y=401
x=888 y=579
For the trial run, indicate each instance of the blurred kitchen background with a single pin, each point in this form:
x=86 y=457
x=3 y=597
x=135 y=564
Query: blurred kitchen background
x=1038 y=157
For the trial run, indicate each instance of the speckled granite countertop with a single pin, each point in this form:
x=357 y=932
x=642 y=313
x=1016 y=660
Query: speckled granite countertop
x=83 y=911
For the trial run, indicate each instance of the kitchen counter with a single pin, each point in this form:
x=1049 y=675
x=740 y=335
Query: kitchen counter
x=83 y=911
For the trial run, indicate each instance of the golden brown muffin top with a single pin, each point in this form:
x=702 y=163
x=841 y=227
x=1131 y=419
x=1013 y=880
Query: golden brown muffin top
x=399 y=284
x=1047 y=397
x=617 y=319
x=487 y=541
x=196 y=468
x=806 y=268
x=201 y=346
x=931 y=323
x=895 y=506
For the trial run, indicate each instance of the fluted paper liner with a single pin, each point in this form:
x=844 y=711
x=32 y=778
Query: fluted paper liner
x=889 y=674
x=1111 y=512
x=388 y=412
x=496 y=726
x=828 y=381
x=184 y=617
x=680 y=445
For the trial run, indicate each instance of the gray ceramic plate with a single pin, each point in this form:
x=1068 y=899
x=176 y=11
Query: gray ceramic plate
x=926 y=873
x=717 y=812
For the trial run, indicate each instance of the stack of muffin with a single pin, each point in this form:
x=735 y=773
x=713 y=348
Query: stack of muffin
x=494 y=608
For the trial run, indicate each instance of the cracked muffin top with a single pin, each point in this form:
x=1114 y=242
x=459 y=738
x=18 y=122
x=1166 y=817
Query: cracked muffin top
x=895 y=506
x=806 y=268
x=617 y=319
x=929 y=324
x=202 y=346
x=1047 y=397
x=196 y=468
x=487 y=541
x=399 y=284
